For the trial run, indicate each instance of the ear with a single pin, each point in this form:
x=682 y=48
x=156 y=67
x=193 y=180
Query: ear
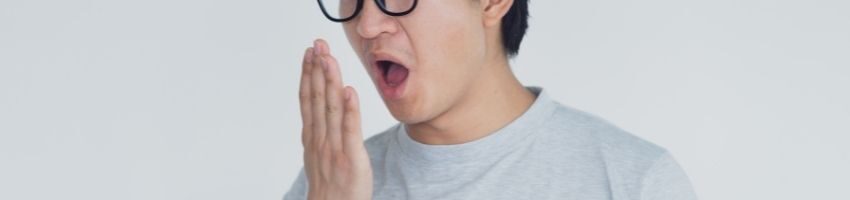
x=494 y=10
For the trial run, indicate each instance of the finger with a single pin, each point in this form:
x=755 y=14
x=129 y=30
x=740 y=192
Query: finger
x=317 y=84
x=322 y=47
x=304 y=97
x=351 y=132
x=333 y=91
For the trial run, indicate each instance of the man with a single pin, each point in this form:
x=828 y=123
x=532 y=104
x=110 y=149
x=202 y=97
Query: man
x=468 y=128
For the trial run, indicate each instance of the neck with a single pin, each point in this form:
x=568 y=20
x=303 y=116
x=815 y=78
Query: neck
x=495 y=99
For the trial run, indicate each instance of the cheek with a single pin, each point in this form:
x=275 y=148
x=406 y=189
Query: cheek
x=449 y=47
x=449 y=53
x=446 y=30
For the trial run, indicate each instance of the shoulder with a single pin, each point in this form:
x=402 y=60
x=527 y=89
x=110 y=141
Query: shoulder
x=593 y=132
x=634 y=166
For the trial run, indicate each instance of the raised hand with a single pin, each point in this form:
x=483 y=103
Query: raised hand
x=336 y=162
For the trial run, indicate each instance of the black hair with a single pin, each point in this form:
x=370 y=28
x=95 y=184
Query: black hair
x=514 y=24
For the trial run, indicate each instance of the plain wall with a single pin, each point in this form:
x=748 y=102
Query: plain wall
x=191 y=99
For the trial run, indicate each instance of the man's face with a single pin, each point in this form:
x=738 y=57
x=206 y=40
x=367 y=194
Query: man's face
x=422 y=63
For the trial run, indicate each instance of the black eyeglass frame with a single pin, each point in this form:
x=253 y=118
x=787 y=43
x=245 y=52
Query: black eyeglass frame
x=359 y=7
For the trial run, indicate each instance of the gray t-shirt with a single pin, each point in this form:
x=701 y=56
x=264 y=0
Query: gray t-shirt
x=550 y=152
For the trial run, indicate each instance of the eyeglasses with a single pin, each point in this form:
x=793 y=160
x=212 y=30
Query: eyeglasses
x=345 y=10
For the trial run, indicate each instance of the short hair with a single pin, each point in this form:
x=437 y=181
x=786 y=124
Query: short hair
x=514 y=25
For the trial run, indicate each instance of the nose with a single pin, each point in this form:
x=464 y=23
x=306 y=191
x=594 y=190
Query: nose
x=372 y=22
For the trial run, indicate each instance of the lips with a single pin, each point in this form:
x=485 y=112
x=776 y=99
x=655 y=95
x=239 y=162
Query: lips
x=390 y=75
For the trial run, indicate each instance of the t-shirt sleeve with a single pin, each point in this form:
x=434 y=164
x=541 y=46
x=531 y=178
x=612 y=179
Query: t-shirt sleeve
x=666 y=180
x=298 y=191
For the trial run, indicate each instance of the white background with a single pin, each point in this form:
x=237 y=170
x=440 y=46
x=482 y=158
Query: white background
x=192 y=99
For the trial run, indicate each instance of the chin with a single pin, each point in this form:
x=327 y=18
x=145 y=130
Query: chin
x=408 y=114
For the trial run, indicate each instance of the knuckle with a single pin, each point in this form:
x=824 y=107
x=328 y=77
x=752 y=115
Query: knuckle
x=304 y=95
x=333 y=109
x=318 y=95
x=351 y=109
x=330 y=78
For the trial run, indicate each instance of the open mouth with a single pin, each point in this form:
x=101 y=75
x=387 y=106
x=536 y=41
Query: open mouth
x=394 y=74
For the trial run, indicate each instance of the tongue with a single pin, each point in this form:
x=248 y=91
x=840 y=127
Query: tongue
x=396 y=74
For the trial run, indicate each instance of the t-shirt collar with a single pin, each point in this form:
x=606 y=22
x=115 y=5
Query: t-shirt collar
x=491 y=146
